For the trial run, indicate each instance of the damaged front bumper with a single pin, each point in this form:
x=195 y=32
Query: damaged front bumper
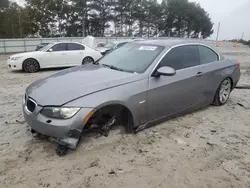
x=64 y=131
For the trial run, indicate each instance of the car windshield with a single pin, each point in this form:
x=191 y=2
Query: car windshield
x=109 y=45
x=45 y=47
x=132 y=57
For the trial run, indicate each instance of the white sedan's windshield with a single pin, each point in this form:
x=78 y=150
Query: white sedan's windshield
x=132 y=57
x=45 y=47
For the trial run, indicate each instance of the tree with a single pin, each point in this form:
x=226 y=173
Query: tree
x=145 y=18
x=140 y=10
x=152 y=18
x=82 y=10
x=40 y=13
x=185 y=19
x=100 y=13
x=15 y=22
x=4 y=4
x=121 y=9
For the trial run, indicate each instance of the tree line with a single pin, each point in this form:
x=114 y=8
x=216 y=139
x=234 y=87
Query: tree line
x=128 y=18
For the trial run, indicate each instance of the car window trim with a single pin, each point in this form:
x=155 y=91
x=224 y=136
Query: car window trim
x=186 y=44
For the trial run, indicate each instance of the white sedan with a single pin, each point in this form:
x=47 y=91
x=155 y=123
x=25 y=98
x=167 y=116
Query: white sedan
x=60 y=54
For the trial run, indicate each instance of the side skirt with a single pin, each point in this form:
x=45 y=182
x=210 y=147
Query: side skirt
x=172 y=116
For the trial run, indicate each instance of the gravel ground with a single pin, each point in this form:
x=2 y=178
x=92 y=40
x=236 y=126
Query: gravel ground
x=208 y=148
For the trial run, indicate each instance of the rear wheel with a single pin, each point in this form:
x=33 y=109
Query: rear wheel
x=223 y=92
x=87 y=60
x=31 y=65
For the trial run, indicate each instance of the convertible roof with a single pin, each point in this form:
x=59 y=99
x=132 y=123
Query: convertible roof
x=173 y=42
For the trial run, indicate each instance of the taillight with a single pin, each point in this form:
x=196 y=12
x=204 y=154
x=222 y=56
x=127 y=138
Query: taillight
x=238 y=64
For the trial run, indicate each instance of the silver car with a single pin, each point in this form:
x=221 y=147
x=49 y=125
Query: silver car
x=137 y=85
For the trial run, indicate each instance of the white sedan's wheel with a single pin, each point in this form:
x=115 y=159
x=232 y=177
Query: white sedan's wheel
x=31 y=65
x=87 y=60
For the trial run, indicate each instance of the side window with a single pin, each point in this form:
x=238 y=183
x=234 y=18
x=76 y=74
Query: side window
x=207 y=55
x=74 y=46
x=59 y=47
x=181 y=57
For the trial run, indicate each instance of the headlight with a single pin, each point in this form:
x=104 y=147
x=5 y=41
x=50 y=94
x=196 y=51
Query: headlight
x=15 y=58
x=59 y=113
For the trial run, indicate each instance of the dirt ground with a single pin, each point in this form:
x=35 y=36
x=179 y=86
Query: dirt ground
x=206 y=149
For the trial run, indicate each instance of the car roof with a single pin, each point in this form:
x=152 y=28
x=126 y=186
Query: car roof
x=172 y=42
x=121 y=41
x=66 y=42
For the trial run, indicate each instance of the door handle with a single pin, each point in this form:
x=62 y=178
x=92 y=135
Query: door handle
x=199 y=74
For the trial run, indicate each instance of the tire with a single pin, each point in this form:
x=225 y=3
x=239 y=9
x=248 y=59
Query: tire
x=126 y=119
x=31 y=65
x=223 y=92
x=87 y=60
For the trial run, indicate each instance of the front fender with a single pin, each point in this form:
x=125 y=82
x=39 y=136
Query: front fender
x=111 y=102
x=129 y=95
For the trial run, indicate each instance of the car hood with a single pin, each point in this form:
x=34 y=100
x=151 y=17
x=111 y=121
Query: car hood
x=76 y=82
x=26 y=54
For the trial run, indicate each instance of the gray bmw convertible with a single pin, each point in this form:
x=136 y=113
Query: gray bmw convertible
x=137 y=85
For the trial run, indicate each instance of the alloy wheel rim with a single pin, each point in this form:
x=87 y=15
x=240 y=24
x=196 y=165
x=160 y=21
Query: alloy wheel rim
x=225 y=91
x=88 y=60
x=31 y=66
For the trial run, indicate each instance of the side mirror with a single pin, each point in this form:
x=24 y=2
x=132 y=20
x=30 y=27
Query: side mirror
x=50 y=50
x=165 y=71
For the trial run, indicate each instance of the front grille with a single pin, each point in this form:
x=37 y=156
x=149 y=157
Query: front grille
x=31 y=105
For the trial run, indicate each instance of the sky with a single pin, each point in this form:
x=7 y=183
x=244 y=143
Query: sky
x=220 y=9
x=230 y=13
x=233 y=16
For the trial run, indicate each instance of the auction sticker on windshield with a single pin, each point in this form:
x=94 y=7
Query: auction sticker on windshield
x=148 y=48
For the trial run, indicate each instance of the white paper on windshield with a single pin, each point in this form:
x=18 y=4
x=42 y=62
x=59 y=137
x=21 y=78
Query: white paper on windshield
x=148 y=48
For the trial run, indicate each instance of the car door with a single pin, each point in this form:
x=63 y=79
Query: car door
x=211 y=67
x=55 y=56
x=171 y=94
x=75 y=54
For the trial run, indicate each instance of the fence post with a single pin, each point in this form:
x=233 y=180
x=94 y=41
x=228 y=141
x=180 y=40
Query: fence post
x=24 y=43
x=4 y=46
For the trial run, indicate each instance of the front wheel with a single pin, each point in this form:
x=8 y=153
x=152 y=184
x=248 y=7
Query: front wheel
x=87 y=60
x=223 y=92
x=31 y=65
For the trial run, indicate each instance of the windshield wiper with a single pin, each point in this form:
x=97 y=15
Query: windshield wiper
x=112 y=67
